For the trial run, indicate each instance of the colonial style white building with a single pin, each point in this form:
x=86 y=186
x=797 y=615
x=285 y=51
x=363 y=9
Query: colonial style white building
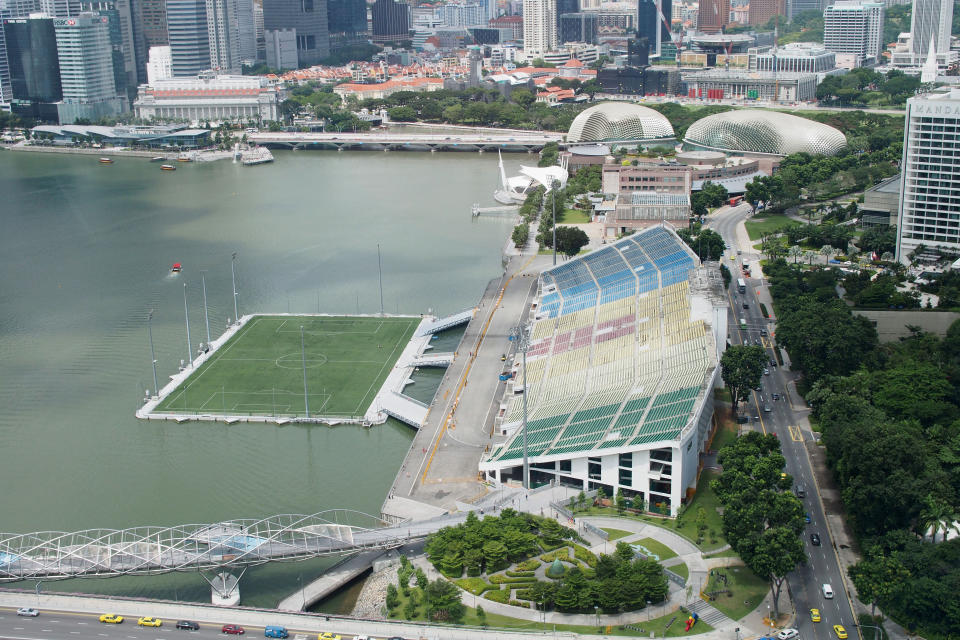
x=209 y=97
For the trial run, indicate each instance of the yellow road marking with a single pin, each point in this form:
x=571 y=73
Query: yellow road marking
x=795 y=434
x=466 y=371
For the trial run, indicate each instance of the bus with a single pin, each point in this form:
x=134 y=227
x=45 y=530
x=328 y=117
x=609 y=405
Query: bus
x=741 y=285
x=743 y=324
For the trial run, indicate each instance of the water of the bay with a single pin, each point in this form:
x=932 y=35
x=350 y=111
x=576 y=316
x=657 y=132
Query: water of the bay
x=85 y=253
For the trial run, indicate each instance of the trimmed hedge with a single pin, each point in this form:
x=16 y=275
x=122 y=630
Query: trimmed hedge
x=584 y=555
x=502 y=596
x=563 y=554
x=520 y=574
x=500 y=579
x=528 y=565
x=475 y=586
x=517 y=603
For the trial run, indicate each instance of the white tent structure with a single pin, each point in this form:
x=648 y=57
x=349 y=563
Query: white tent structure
x=514 y=190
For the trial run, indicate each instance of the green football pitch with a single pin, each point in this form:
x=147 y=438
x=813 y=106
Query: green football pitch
x=259 y=371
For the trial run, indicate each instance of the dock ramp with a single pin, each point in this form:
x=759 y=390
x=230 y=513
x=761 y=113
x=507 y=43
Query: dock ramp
x=446 y=323
x=433 y=360
x=404 y=408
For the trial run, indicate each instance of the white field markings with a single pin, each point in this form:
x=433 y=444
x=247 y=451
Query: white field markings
x=363 y=402
x=210 y=362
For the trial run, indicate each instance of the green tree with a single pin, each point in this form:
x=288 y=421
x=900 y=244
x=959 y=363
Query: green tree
x=495 y=555
x=878 y=578
x=773 y=555
x=570 y=240
x=520 y=235
x=402 y=114
x=620 y=501
x=707 y=243
x=452 y=564
x=442 y=600
x=741 y=368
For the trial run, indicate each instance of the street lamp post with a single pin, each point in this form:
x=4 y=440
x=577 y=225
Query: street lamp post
x=303 y=359
x=596 y=611
x=233 y=277
x=206 y=316
x=153 y=357
x=553 y=201
x=186 y=316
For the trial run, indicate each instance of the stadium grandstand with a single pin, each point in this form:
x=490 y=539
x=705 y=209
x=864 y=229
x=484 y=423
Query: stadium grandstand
x=622 y=358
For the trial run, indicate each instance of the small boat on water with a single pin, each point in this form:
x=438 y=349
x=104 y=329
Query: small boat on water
x=168 y=167
x=106 y=160
x=157 y=159
x=184 y=159
x=176 y=268
x=257 y=155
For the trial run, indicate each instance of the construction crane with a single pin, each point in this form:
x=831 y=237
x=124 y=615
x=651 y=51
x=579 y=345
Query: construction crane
x=666 y=23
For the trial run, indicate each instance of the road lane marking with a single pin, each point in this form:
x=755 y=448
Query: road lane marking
x=795 y=433
x=75 y=633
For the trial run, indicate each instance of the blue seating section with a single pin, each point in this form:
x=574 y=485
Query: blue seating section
x=631 y=266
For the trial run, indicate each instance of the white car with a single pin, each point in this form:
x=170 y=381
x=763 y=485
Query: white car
x=29 y=612
x=787 y=634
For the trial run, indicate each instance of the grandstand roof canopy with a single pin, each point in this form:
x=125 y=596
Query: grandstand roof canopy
x=764 y=131
x=610 y=121
x=614 y=360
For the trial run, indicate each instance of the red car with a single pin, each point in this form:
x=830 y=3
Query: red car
x=232 y=629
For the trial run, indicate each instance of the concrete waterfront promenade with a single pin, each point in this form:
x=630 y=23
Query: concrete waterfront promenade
x=440 y=469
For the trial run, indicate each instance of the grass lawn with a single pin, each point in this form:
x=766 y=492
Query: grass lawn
x=756 y=227
x=573 y=216
x=681 y=570
x=497 y=621
x=748 y=591
x=726 y=432
x=260 y=369
x=656 y=547
x=706 y=498
x=616 y=534
x=726 y=553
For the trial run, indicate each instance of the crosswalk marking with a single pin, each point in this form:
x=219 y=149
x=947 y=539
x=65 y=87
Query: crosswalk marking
x=795 y=434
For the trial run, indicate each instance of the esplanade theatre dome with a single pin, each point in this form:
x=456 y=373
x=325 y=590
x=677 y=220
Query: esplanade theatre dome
x=763 y=131
x=619 y=121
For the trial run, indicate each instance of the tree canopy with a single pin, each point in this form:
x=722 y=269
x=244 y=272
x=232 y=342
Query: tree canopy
x=742 y=369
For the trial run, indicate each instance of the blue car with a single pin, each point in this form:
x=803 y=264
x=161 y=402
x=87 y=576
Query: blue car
x=806 y=517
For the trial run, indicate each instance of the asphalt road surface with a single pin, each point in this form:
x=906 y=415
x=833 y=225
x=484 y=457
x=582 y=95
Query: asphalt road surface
x=777 y=416
x=86 y=626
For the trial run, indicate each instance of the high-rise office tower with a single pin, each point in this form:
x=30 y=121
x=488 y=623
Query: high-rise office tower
x=851 y=26
x=59 y=8
x=247 y=30
x=122 y=40
x=666 y=20
x=565 y=6
x=762 y=10
x=795 y=7
x=578 y=27
x=160 y=65
x=86 y=68
x=151 y=19
x=258 y=30
x=347 y=22
x=309 y=18
x=539 y=27
x=649 y=25
x=930 y=177
x=223 y=34
x=31 y=46
x=713 y=16
x=931 y=24
x=390 y=21
x=189 y=39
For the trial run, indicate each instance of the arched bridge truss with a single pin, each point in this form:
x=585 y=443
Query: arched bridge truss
x=55 y=555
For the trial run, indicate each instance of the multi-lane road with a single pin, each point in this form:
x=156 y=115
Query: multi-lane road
x=780 y=416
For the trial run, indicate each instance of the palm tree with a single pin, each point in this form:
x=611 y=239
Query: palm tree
x=809 y=255
x=828 y=252
x=937 y=514
x=795 y=252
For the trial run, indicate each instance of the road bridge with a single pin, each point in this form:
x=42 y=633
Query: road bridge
x=379 y=141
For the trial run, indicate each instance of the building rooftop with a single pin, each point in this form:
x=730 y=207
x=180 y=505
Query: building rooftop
x=658 y=198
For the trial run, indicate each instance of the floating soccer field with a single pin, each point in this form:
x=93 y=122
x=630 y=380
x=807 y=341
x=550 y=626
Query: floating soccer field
x=259 y=371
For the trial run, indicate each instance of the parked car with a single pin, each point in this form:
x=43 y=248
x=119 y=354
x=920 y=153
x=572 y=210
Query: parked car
x=787 y=634
x=29 y=612
x=190 y=625
x=232 y=629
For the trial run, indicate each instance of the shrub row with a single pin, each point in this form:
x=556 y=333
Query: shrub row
x=501 y=579
x=528 y=565
x=584 y=555
x=502 y=596
x=520 y=574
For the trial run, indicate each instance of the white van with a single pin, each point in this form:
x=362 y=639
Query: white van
x=827 y=591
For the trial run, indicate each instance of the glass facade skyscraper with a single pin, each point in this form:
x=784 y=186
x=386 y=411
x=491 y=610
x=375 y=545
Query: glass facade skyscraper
x=309 y=18
x=189 y=39
x=34 y=67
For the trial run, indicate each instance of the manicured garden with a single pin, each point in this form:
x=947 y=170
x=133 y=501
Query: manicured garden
x=735 y=591
x=771 y=223
x=616 y=534
x=525 y=561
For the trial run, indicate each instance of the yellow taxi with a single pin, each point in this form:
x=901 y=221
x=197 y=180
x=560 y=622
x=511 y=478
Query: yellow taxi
x=326 y=635
x=840 y=631
x=147 y=621
x=815 y=615
x=111 y=618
